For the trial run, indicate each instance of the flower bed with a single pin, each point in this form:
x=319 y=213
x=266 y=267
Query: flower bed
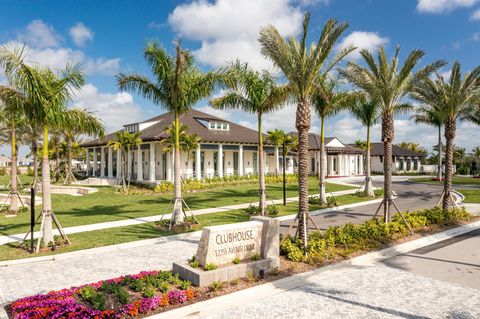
x=123 y=297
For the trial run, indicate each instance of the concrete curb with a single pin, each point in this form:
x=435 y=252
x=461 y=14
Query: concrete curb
x=222 y=303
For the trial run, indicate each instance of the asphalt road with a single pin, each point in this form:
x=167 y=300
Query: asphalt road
x=410 y=196
x=455 y=260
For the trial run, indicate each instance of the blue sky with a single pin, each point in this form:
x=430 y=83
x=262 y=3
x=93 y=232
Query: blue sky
x=107 y=37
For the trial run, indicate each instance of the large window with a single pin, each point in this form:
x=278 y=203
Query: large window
x=220 y=126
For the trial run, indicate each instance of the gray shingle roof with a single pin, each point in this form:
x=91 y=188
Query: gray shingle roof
x=314 y=145
x=377 y=150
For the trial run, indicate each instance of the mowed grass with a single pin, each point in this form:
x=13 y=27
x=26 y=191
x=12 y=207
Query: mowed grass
x=118 y=235
x=471 y=195
x=109 y=205
x=456 y=180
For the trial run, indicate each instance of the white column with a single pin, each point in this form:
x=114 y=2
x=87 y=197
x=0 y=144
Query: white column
x=198 y=162
x=241 y=169
x=110 y=162
x=360 y=160
x=330 y=166
x=119 y=163
x=220 y=160
x=95 y=164
x=151 y=163
x=129 y=164
x=87 y=160
x=340 y=165
x=139 y=163
x=102 y=161
x=346 y=158
x=277 y=160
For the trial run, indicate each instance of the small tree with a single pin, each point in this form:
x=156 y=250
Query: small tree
x=124 y=142
x=367 y=113
x=289 y=143
x=276 y=137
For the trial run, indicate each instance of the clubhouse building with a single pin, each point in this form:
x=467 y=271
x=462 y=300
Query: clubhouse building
x=226 y=149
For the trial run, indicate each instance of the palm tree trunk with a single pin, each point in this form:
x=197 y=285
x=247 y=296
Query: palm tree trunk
x=303 y=122
x=125 y=170
x=323 y=163
x=261 y=167
x=69 y=161
x=46 y=197
x=439 y=173
x=387 y=137
x=36 y=181
x=368 y=179
x=178 y=209
x=284 y=159
x=450 y=131
x=13 y=173
x=57 y=160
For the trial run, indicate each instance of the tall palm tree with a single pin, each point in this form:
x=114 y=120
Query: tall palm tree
x=257 y=93
x=276 y=137
x=367 y=113
x=476 y=152
x=78 y=121
x=12 y=103
x=388 y=85
x=474 y=114
x=47 y=94
x=178 y=84
x=302 y=65
x=327 y=102
x=453 y=99
x=125 y=141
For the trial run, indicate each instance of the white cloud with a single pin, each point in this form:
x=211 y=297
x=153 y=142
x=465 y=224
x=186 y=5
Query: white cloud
x=362 y=40
x=40 y=35
x=475 y=15
x=80 y=34
x=103 y=66
x=115 y=109
x=440 y=6
x=229 y=29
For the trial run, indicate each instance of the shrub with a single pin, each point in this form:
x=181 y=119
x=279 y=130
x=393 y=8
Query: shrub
x=256 y=257
x=236 y=260
x=94 y=298
x=137 y=285
x=315 y=200
x=185 y=285
x=210 y=266
x=216 y=285
x=251 y=277
x=149 y=291
x=270 y=210
x=3 y=171
x=194 y=264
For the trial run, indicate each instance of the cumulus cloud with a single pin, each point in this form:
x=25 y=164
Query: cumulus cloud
x=362 y=40
x=115 y=109
x=80 y=34
x=228 y=29
x=475 y=15
x=43 y=46
x=40 y=35
x=441 y=6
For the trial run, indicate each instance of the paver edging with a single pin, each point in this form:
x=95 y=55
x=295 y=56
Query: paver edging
x=221 y=303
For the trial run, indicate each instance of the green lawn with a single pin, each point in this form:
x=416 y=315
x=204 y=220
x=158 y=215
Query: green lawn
x=108 y=205
x=471 y=195
x=457 y=180
x=125 y=234
x=24 y=179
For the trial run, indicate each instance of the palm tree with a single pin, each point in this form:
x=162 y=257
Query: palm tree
x=78 y=121
x=275 y=137
x=12 y=111
x=367 y=113
x=188 y=142
x=327 y=102
x=388 y=85
x=454 y=99
x=476 y=152
x=302 y=66
x=47 y=94
x=178 y=85
x=474 y=114
x=125 y=141
x=257 y=93
x=31 y=135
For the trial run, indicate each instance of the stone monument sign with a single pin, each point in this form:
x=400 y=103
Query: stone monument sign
x=221 y=244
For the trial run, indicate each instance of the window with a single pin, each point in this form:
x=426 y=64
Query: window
x=219 y=126
x=312 y=164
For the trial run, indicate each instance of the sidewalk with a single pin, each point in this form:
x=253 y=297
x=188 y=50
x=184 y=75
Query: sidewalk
x=5 y=239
